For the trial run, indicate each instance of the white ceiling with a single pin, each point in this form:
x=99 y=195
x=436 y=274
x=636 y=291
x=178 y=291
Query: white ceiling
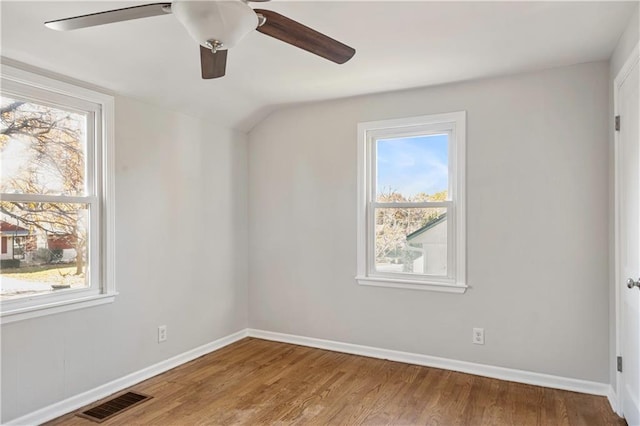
x=399 y=45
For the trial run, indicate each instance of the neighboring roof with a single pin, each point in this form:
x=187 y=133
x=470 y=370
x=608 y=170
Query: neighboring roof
x=11 y=229
x=433 y=222
x=61 y=241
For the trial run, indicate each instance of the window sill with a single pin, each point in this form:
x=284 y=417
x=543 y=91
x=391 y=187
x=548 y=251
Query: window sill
x=412 y=285
x=20 y=314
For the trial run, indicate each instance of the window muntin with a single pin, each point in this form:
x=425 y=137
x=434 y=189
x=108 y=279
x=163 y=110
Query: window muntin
x=411 y=202
x=54 y=187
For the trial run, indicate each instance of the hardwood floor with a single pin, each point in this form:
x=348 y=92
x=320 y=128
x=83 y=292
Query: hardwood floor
x=254 y=382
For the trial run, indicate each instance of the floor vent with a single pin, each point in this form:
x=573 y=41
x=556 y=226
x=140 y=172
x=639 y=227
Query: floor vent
x=114 y=406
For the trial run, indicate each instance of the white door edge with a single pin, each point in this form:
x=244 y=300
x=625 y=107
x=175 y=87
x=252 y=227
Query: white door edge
x=632 y=60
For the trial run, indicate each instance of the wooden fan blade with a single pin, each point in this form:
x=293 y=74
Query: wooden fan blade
x=296 y=34
x=110 y=16
x=213 y=64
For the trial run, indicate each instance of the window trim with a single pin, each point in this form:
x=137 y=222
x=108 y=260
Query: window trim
x=103 y=184
x=455 y=123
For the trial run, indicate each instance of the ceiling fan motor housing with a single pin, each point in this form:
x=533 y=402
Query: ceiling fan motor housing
x=226 y=22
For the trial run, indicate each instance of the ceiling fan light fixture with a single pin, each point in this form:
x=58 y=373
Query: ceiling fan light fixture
x=218 y=25
x=226 y=22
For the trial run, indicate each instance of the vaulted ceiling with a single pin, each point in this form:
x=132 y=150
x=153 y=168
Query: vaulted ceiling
x=399 y=45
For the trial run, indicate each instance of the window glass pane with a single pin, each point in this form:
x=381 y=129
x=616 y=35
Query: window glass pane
x=42 y=148
x=411 y=240
x=412 y=169
x=44 y=248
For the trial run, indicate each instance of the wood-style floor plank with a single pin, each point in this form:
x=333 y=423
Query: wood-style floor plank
x=257 y=382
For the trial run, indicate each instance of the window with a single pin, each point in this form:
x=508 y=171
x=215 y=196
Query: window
x=56 y=204
x=411 y=214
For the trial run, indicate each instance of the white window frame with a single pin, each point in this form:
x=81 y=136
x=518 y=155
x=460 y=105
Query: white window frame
x=99 y=197
x=453 y=124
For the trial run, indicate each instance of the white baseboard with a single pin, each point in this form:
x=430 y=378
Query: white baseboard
x=509 y=374
x=70 y=404
x=613 y=401
x=73 y=403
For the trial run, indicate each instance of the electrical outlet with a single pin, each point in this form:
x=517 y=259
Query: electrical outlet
x=478 y=336
x=162 y=333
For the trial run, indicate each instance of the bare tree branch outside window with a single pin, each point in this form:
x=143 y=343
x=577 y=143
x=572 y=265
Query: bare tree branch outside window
x=43 y=151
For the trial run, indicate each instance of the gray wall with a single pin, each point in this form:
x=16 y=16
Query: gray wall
x=537 y=176
x=181 y=216
x=628 y=40
x=537 y=239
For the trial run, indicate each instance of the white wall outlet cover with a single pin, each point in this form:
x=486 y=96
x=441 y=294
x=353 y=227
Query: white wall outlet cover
x=162 y=333
x=478 y=336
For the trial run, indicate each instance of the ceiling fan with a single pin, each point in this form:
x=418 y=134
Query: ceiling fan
x=218 y=26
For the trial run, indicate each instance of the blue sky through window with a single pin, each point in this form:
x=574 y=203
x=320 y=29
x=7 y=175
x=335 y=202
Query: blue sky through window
x=412 y=165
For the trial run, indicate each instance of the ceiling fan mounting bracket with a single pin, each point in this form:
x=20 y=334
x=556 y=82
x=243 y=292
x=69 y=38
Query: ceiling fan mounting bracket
x=214 y=45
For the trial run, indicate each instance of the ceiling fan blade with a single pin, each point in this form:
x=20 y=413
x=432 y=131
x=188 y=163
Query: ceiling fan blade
x=110 y=16
x=296 y=34
x=213 y=64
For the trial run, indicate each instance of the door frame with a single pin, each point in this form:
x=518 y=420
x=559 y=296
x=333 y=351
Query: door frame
x=632 y=60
